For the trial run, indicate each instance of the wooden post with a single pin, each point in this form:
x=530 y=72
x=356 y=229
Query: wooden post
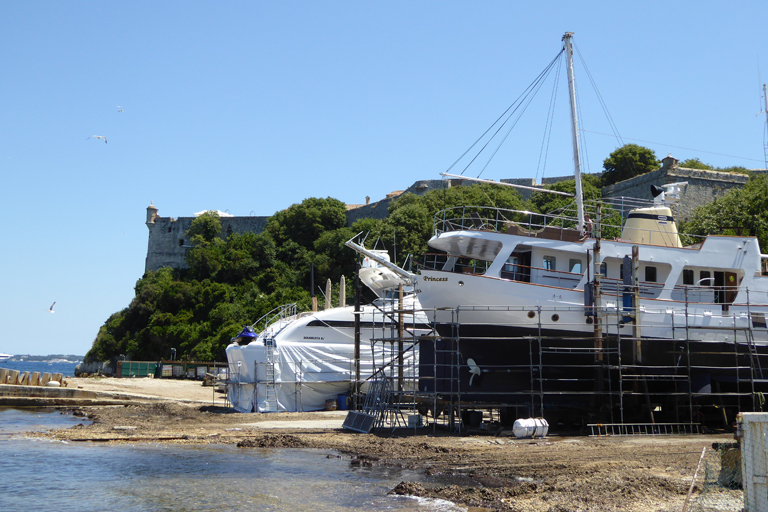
x=312 y=286
x=636 y=304
x=400 y=334
x=693 y=481
x=357 y=337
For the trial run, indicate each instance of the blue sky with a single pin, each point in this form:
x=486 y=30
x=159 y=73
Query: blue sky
x=250 y=107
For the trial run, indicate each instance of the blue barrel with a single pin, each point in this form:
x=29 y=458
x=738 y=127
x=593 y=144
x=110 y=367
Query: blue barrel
x=342 y=403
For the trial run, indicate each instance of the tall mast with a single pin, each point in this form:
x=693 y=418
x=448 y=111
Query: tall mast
x=765 y=97
x=574 y=131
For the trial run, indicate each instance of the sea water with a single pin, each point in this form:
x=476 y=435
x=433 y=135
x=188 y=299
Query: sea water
x=40 y=473
x=66 y=369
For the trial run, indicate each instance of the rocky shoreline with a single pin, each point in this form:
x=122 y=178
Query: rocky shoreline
x=555 y=474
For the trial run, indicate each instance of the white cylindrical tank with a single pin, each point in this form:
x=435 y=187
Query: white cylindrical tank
x=530 y=427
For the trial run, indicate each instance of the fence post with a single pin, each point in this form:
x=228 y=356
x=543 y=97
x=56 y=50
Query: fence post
x=693 y=480
x=753 y=429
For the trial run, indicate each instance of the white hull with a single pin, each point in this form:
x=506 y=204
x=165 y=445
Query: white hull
x=313 y=359
x=492 y=300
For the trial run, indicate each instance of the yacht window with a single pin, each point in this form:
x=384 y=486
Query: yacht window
x=509 y=268
x=517 y=267
x=650 y=274
x=621 y=271
x=550 y=263
x=604 y=269
x=687 y=276
x=705 y=278
x=574 y=266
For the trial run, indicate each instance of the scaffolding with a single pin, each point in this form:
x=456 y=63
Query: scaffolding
x=594 y=384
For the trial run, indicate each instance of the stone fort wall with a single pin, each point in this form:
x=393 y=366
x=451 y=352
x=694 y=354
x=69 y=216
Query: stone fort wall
x=168 y=246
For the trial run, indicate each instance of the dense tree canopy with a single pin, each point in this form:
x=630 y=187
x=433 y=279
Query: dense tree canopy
x=627 y=162
x=742 y=211
x=230 y=282
x=553 y=204
x=695 y=163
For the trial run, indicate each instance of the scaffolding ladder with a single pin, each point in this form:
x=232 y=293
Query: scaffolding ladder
x=270 y=392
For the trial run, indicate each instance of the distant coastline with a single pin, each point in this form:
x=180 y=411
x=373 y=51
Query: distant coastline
x=52 y=358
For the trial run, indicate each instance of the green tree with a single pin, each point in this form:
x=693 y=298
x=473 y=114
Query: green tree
x=694 y=163
x=543 y=202
x=204 y=228
x=740 y=212
x=627 y=162
x=553 y=204
x=303 y=223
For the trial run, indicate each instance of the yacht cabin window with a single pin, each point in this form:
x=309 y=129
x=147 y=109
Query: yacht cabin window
x=574 y=266
x=509 y=270
x=687 y=276
x=604 y=269
x=705 y=278
x=650 y=274
x=550 y=263
x=517 y=267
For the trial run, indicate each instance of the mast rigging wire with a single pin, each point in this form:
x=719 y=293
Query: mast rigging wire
x=519 y=99
x=548 y=126
x=529 y=99
x=676 y=147
x=608 y=116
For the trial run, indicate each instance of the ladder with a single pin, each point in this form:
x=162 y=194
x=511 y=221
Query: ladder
x=375 y=409
x=754 y=357
x=270 y=393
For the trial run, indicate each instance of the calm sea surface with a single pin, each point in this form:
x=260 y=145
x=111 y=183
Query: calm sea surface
x=68 y=369
x=53 y=475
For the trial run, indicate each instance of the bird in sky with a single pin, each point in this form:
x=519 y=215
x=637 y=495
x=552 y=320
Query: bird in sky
x=98 y=137
x=50 y=309
x=119 y=108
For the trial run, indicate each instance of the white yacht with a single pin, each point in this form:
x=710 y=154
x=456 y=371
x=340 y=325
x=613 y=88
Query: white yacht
x=5 y=357
x=300 y=361
x=536 y=303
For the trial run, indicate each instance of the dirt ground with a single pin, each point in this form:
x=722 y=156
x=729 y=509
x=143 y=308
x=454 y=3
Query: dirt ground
x=555 y=474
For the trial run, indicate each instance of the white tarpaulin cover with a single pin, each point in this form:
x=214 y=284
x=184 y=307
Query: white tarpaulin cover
x=306 y=374
x=300 y=361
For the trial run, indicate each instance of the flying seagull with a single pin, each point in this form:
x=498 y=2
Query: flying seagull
x=50 y=309
x=120 y=109
x=98 y=137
